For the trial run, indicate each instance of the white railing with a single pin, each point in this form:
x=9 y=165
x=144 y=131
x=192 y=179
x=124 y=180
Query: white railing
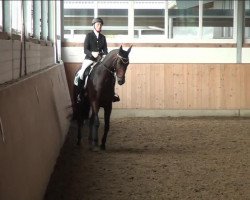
x=139 y=29
x=117 y=4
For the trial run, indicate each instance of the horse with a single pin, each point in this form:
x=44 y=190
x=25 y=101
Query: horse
x=99 y=92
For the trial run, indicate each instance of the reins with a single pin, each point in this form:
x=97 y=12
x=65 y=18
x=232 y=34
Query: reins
x=113 y=73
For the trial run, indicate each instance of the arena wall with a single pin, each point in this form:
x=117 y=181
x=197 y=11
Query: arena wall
x=34 y=122
x=178 y=79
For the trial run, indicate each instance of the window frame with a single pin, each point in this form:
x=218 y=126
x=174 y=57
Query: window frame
x=132 y=5
x=1 y=15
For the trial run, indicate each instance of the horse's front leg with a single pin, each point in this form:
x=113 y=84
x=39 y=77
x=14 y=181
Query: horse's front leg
x=94 y=126
x=107 y=113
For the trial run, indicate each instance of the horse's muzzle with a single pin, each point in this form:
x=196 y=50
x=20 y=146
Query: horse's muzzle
x=120 y=81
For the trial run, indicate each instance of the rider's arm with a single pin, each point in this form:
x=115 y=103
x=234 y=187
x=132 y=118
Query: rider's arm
x=87 y=45
x=105 y=49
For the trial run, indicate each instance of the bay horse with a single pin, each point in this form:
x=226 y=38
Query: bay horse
x=99 y=92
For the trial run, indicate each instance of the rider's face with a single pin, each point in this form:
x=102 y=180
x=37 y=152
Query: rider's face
x=98 y=26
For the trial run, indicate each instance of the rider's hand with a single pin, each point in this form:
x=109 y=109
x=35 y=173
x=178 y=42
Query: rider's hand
x=103 y=57
x=95 y=54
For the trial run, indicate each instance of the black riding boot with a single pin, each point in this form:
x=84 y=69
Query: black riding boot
x=76 y=98
x=79 y=91
x=116 y=98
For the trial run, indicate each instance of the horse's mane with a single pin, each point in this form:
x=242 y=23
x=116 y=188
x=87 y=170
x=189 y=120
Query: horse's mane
x=110 y=54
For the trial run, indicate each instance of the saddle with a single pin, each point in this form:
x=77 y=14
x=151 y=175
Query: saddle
x=87 y=72
x=79 y=82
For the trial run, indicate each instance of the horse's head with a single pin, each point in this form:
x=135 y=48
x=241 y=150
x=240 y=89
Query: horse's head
x=121 y=65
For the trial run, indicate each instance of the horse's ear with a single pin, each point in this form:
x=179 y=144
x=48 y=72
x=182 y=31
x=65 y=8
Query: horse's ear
x=120 y=48
x=129 y=49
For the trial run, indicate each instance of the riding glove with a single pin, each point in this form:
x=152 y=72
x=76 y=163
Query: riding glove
x=95 y=54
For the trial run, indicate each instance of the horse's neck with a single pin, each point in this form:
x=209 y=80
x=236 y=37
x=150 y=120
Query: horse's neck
x=109 y=61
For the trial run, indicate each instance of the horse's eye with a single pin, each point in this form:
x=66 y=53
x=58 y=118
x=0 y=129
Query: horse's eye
x=120 y=62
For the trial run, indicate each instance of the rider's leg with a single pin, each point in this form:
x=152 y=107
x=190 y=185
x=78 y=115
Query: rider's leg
x=85 y=64
x=80 y=77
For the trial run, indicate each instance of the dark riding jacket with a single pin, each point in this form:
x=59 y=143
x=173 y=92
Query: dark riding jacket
x=92 y=43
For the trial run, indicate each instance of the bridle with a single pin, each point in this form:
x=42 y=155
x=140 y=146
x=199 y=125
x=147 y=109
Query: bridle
x=124 y=61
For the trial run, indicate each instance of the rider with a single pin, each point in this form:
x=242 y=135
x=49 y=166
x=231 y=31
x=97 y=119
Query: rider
x=95 y=45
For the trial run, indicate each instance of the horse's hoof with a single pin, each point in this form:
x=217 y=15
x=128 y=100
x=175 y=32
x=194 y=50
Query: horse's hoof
x=102 y=147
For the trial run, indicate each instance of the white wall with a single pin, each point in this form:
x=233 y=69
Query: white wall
x=246 y=55
x=169 y=55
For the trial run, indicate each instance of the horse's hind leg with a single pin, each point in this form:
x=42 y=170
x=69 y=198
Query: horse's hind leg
x=79 y=134
x=107 y=113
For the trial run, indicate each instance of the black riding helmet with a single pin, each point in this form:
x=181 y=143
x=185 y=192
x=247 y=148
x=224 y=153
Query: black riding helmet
x=98 y=19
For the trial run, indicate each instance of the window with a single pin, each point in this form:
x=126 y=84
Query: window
x=116 y=22
x=148 y=22
x=78 y=16
x=45 y=15
x=1 y=15
x=36 y=16
x=172 y=19
x=77 y=22
x=218 y=19
x=16 y=14
x=184 y=20
x=247 y=19
x=28 y=6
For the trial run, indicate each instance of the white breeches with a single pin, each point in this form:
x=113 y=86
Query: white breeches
x=80 y=73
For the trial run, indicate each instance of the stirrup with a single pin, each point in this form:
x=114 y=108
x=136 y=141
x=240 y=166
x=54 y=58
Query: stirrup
x=116 y=98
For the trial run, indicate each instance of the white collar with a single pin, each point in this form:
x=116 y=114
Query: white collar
x=96 y=33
